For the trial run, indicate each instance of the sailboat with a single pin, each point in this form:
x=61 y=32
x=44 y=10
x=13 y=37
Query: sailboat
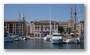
x=56 y=37
x=48 y=37
x=74 y=36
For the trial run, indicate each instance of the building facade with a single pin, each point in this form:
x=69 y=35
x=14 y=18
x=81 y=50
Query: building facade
x=69 y=24
x=16 y=27
x=65 y=25
x=81 y=27
x=34 y=27
x=42 y=25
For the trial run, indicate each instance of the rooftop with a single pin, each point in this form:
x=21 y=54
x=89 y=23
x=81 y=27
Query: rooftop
x=12 y=21
x=64 y=23
x=43 y=22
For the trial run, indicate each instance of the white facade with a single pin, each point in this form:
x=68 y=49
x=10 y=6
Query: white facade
x=36 y=26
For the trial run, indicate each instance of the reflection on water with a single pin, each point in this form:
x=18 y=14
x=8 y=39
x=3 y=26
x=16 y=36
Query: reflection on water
x=40 y=44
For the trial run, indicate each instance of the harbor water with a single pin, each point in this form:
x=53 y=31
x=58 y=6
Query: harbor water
x=40 y=44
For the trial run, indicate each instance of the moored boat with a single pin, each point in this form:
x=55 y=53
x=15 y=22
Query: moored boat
x=8 y=36
x=56 y=38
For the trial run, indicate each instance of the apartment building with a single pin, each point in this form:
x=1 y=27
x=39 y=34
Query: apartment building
x=16 y=27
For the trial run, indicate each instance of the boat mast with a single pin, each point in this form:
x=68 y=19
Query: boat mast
x=50 y=18
x=75 y=15
x=54 y=27
x=71 y=17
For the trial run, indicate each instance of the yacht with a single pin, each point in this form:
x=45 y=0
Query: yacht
x=47 y=37
x=8 y=36
x=56 y=38
x=20 y=38
x=74 y=39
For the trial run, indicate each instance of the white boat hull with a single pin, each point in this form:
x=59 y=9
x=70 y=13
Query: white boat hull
x=19 y=39
x=47 y=38
x=73 y=40
x=56 y=41
x=56 y=38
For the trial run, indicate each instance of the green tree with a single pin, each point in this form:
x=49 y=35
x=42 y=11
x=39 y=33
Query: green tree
x=68 y=30
x=60 y=29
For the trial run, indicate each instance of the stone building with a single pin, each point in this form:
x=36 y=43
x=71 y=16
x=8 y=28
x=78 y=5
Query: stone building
x=37 y=26
x=16 y=27
x=81 y=27
x=69 y=23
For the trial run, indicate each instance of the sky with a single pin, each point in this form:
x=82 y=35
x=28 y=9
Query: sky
x=59 y=12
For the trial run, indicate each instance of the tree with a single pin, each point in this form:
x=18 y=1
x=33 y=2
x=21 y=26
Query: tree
x=60 y=29
x=68 y=30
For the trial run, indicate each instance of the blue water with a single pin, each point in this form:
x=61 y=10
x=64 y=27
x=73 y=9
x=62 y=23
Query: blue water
x=40 y=44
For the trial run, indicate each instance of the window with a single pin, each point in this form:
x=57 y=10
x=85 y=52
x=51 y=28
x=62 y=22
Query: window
x=48 y=28
x=13 y=32
x=38 y=35
x=21 y=24
x=7 y=24
x=14 y=24
x=35 y=35
x=13 y=27
x=36 y=28
x=56 y=35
